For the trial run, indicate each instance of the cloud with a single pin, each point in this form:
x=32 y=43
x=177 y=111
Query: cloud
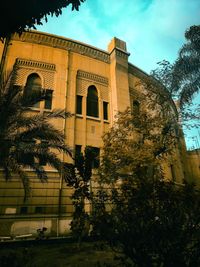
x=153 y=29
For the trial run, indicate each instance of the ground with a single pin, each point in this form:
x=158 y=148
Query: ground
x=65 y=254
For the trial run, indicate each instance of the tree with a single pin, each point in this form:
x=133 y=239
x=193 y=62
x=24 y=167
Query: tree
x=22 y=15
x=147 y=220
x=150 y=222
x=82 y=173
x=187 y=67
x=188 y=111
x=182 y=79
x=138 y=142
x=27 y=140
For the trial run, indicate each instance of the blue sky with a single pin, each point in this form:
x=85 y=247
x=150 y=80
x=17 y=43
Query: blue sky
x=153 y=29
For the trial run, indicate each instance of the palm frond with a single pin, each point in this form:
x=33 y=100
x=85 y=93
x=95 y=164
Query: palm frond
x=188 y=92
x=24 y=135
x=40 y=172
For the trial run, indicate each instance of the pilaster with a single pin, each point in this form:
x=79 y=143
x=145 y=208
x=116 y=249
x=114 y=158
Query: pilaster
x=120 y=98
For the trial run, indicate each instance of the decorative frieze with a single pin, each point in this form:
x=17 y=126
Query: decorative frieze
x=92 y=77
x=25 y=67
x=34 y=64
x=122 y=54
x=63 y=43
x=85 y=79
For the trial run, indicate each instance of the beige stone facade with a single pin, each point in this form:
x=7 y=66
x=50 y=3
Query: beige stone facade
x=69 y=68
x=193 y=158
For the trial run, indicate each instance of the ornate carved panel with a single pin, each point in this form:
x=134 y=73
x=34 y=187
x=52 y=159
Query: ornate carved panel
x=25 y=67
x=92 y=77
x=85 y=79
x=63 y=43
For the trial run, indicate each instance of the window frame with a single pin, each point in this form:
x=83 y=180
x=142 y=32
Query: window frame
x=79 y=104
x=92 y=108
x=105 y=110
x=46 y=101
x=136 y=107
x=31 y=87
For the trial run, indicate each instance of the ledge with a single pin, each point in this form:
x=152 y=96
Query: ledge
x=93 y=118
x=79 y=116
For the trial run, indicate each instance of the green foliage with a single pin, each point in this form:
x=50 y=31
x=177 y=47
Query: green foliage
x=187 y=66
x=16 y=258
x=82 y=175
x=151 y=222
x=22 y=15
x=136 y=144
x=182 y=78
x=164 y=74
x=188 y=111
x=27 y=138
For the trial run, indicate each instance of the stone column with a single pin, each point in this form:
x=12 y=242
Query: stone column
x=120 y=98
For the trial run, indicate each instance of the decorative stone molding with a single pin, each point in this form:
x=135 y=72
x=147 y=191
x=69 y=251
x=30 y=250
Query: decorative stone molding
x=63 y=43
x=34 y=64
x=25 y=67
x=137 y=72
x=122 y=54
x=92 y=77
x=85 y=79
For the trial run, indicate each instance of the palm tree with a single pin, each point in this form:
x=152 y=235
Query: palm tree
x=186 y=70
x=182 y=79
x=27 y=139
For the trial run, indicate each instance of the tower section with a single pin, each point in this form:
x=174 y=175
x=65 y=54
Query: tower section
x=119 y=94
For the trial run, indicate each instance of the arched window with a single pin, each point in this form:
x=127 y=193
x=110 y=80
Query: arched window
x=92 y=102
x=136 y=107
x=33 y=84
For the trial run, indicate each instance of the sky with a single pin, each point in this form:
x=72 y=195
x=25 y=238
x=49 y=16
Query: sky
x=152 y=29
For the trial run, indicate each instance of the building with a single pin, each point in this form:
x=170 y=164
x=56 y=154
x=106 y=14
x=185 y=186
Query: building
x=92 y=84
x=193 y=159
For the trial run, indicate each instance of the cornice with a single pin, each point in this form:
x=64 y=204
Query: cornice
x=63 y=43
x=158 y=87
x=137 y=72
x=122 y=54
x=20 y=62
x=92 y=76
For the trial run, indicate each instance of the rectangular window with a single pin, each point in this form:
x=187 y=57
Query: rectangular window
x=48 y=100
x=77 y=154
x=39 y=210
x=105 y=110
x=94 y=154
x=31 y=93
x=37 y=91
x=79 y=104
x=23 y=210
